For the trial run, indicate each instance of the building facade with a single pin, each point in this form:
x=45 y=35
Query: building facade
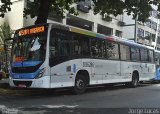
x=87 y=20
x=15 y=17
x=147 y=33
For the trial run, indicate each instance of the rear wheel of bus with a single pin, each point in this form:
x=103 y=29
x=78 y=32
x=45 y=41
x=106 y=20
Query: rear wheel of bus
x=135 y=80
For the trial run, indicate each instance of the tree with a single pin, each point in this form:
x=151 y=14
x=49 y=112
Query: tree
x=5 y=31
x=5 y=7
x=41 y=8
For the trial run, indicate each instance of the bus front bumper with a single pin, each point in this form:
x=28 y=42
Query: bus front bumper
x=43 y=82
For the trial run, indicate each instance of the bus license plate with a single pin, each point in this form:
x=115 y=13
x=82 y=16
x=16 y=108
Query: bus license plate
x=22 y=85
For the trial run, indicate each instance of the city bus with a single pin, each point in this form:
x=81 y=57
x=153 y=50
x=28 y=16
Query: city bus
x=157 y=62
x=58 y=56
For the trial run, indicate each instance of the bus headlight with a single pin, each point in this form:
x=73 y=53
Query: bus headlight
x=40 y=74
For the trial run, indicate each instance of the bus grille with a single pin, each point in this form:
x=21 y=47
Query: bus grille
x=25 y=69
x=26 y=83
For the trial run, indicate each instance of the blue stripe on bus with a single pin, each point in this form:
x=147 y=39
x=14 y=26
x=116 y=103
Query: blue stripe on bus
x=157 y=77
x=25 y=75
x=74 y=68
x=25 y=63
x=100 y=36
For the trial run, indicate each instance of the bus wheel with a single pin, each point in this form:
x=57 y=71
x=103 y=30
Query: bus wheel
x=135 y=80
x=80 y=85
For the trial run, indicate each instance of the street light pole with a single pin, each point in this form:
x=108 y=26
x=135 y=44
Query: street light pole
x=135 y=30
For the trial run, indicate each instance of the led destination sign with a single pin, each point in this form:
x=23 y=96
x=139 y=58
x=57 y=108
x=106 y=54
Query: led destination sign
x=31 y=31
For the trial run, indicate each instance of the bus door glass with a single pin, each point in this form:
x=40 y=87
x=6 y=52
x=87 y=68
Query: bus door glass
x=157 y=61
x=144 y=62
x=60 y=50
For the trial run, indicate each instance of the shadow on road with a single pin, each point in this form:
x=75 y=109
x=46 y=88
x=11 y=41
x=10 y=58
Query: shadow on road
x=21 y=92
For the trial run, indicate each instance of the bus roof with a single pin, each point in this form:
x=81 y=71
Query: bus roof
x=93 y=34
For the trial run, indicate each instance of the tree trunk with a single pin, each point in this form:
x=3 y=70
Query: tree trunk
x=43 y=12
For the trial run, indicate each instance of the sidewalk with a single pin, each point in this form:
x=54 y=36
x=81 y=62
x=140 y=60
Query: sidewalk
x=4 y=81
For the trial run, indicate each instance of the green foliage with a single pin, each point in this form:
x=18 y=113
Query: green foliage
x=5 y=31
x=58 y=6
x=140 y=8
x=136 y=8
x=5 y=7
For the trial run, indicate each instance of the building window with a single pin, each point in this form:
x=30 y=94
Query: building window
x=140 y=32
x=78 y=22
x=148 y=23
x=147 y=35
x=158 y=40
x=154 y=25
x=105 y=30
x=153 y=37
x=84 y=5
x=55 y=17
x=118 y=33
x=158 y=28
x=155 y=13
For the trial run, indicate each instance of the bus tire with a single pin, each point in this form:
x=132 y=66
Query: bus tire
x=135 y=80
x=80 y=84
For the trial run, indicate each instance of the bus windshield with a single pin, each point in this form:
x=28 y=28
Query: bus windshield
x=29 y=48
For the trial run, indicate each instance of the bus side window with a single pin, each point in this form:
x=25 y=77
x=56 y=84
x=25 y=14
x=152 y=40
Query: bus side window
x=151 y=58
x=96 y=47
x=112 y=50
x=135 y=54
x=85 y=47
x=144 y=54
x=80 y=45
x=124 y=52
x=52 y=45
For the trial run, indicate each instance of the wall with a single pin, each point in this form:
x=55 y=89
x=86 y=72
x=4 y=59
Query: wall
x=15 y=17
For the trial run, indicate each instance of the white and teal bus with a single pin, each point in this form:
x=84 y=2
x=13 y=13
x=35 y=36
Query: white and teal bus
x=58 y=56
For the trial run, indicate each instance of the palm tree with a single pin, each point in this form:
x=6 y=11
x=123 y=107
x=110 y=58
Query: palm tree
x=5 y=33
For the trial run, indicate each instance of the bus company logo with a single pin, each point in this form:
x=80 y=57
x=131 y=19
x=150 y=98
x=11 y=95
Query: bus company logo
x=88 y=64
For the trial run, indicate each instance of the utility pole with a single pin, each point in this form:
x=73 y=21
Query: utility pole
x=135 y=30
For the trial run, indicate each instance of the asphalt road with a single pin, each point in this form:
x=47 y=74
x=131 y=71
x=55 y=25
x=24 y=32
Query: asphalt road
x=100 y=100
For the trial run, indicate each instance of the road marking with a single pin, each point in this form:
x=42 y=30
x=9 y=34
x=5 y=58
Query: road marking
x=157 y=85
x=60 y=106
x=6 y=110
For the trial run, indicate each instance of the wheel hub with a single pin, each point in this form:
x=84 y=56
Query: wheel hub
x=80 y=84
